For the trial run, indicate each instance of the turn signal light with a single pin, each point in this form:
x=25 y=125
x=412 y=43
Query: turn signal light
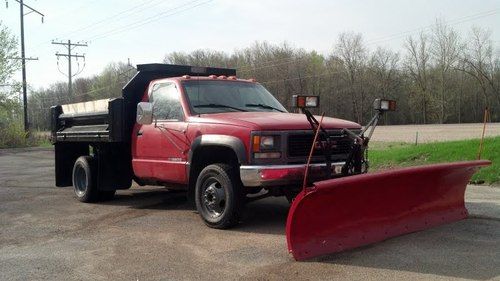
x=256 y=144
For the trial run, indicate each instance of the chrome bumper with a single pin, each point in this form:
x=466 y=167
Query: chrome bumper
x=273 y=175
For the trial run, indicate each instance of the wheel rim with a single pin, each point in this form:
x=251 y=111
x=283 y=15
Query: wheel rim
x=80 y=181
x=213 y=198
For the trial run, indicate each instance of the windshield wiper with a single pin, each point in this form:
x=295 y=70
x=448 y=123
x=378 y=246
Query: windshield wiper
x=263 y=106
x=216 y=105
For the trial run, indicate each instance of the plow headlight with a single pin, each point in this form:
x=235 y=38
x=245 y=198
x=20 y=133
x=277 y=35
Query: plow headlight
x=305 y=101
x=384 y=105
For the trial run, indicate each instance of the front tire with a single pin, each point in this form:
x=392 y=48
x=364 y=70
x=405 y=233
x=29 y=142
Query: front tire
x=219 y=196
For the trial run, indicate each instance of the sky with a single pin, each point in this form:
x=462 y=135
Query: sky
x=144 y=31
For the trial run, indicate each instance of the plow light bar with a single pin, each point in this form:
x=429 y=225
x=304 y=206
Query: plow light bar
x=384 y=105
x=305 y=101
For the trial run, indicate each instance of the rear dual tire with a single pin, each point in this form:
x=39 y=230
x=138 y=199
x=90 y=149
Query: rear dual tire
x=85 y=181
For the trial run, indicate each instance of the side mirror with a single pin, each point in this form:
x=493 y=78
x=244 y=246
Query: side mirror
x=384 y=105
x=305 y=101
x=144 y=113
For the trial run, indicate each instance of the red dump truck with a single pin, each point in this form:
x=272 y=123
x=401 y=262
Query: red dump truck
x=228 y=141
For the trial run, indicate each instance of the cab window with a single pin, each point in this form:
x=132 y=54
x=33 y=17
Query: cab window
x=166 y=102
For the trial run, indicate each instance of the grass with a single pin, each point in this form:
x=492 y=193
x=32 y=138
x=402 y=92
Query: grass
x=45 y=143
x=12 y=135
x=389 y=155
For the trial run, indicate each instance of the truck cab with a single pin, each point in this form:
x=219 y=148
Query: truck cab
x=224 y=140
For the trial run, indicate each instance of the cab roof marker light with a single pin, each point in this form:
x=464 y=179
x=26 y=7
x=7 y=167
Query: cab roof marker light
x=186 y=77
x=252 y=80
x=223 y=77
x=232 y=78
x=212 y=76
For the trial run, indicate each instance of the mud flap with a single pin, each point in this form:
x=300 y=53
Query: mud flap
x=339 y=214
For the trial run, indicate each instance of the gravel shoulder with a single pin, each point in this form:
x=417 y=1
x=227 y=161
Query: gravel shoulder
x=434 y=132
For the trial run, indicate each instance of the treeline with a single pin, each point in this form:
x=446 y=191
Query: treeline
x=440 y=76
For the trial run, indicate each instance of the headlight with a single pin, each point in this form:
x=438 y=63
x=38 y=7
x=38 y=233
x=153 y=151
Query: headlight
x=265 y=143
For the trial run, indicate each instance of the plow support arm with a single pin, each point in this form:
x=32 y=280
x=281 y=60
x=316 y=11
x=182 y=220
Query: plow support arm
x=344 y=213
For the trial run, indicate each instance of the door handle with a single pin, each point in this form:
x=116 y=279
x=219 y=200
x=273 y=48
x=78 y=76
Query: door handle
x=139 y=133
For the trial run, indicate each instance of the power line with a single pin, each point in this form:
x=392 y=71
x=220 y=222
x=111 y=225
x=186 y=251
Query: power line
x=155 y=17
x=111 y=18
x=118 y=15
x=420 y=29
x=69 y=56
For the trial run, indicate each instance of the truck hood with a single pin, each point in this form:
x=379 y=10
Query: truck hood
x=273 y=121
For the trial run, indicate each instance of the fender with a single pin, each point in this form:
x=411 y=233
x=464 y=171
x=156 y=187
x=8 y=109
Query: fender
x=231 y=142
x=220 y=140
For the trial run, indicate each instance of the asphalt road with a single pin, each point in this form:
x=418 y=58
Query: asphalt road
x=152 y=234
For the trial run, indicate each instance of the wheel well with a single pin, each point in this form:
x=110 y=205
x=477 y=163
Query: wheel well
x=206 y=155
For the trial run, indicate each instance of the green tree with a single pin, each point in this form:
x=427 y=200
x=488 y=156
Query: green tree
x=8 y=50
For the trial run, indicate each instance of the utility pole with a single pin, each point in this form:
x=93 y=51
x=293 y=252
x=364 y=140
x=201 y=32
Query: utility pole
x=23 y=57
x=70 y=46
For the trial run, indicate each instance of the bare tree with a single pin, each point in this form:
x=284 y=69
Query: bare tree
x=479 y=62
x=418 y=66
x=353 y=54
x=445 y=50
x=383 y=66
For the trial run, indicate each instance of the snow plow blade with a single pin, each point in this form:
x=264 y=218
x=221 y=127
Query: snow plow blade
x=344 y=213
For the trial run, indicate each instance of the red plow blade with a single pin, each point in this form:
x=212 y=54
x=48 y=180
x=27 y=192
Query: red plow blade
x=339 y=214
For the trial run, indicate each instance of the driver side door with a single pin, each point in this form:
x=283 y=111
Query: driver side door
x=161 y=148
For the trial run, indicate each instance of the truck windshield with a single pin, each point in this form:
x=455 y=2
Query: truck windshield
x=207 y=96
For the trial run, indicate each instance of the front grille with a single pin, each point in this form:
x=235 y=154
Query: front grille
x=299 y=145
